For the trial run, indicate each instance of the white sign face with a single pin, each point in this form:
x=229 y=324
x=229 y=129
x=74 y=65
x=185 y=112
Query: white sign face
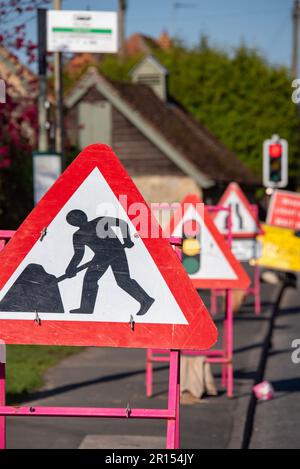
x=46 y=169
x=213 y=262
x=82 y=31
x=245 y=249
x=243 y=220
x=118 y=292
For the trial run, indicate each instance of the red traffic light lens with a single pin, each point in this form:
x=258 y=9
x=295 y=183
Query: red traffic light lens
x=275 y=150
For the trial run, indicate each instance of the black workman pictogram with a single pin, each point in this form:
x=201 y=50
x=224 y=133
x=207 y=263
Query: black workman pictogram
x=109 y=251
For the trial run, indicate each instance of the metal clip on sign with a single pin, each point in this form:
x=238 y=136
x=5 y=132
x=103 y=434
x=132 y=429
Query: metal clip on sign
x=131 y=322
x=43 y=233
x=37 y=319
x=128 y=410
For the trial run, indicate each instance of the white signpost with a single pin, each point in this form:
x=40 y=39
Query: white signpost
x=2 y=92
x=82 y=31
x=46 y=169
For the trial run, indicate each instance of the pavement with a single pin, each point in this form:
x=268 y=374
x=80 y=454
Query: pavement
x=114 y=377
x=277 y=422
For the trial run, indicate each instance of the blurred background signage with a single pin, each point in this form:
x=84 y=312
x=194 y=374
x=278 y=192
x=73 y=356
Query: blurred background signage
x=246 y=249
x=280 y=249
x=284 y=210
x=82 y=31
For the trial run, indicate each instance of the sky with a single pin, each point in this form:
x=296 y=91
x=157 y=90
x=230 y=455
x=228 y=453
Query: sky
x=262 y=24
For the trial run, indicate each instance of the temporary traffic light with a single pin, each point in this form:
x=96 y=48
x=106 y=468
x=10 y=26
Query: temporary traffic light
x=275 y=162
x=191 y=246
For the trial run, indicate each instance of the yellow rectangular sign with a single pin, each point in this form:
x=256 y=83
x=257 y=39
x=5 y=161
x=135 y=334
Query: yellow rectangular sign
x=280 y=248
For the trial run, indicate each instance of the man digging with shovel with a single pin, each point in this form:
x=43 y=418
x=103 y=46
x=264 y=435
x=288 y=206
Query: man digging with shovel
x=109 y=251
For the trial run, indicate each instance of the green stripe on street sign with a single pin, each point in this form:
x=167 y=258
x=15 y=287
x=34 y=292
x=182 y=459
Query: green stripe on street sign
x=82 y=30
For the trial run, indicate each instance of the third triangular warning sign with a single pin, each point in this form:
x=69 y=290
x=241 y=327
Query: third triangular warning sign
x=245 y=222
x=82 y=264
x=205 y=254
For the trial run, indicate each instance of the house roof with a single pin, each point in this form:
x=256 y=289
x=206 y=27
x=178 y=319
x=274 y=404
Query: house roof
x=82 y=59
x=193 y=140
x=168 y=125
x=139 y=43
x=22 y=80
x=153 y=61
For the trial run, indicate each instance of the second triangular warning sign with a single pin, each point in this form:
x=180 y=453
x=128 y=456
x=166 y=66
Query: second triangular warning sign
x=206 y=256
x=81 y=270
x=244 y=222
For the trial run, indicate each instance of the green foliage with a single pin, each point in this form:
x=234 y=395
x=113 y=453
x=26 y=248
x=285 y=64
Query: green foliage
x=117 y=70
x=26 y=365
x=239 y=97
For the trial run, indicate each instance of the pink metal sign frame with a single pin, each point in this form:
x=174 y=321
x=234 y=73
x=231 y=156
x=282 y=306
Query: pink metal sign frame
x=224 y=355
x=253 y=289
x=171 y=414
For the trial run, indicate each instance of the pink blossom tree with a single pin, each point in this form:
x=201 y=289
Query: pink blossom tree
x=18 y=115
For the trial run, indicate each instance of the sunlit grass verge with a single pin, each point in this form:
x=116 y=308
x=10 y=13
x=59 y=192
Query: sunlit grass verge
x=26 y=365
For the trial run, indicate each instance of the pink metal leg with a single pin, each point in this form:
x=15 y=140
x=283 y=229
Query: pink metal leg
x=173 y=435
x=2 y=403
x=229 y=345
x=149 y=373
x=225 y=347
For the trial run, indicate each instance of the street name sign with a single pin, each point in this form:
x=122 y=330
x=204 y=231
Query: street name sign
x=82 y=31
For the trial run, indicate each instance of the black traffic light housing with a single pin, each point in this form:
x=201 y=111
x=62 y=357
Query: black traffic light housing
x=275 y=162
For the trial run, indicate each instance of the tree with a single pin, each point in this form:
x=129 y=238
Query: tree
x=18 y=116
x=14 y=17
x=239 y=97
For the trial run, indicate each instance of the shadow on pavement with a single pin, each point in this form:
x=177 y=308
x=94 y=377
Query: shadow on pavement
x=43 y=394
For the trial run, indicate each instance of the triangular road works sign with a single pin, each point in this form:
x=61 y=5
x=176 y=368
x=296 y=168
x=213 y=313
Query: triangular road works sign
x=244 y=222
x=206 y=256
x=85 y=268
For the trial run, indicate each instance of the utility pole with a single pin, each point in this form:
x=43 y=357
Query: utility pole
x=121 y=28
x=295 y=54
x=42 y=72
x=58 y=91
